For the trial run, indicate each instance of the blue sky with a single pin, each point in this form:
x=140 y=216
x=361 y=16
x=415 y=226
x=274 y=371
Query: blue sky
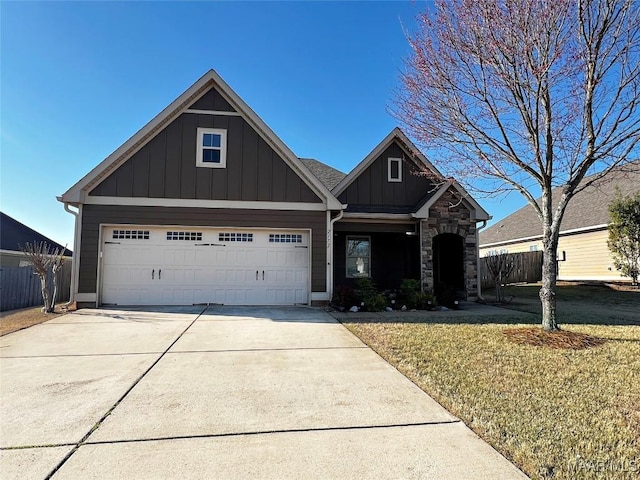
x=79 y=78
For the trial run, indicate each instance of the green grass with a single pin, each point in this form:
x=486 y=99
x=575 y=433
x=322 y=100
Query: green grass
x=579 y=304
x=561 y=414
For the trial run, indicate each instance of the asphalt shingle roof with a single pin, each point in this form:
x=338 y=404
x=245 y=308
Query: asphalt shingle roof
x=329 y=176
x=14 y=234
x=588 y=208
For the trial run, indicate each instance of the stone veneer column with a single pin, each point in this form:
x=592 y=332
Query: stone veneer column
x=447 y=215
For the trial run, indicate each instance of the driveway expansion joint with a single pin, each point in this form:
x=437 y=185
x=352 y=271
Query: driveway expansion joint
x=115 y=405
x=274 y=432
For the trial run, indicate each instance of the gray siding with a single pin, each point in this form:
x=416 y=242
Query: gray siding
x=212 y=100
x=94 y=215
x=166 y=167
x=373 y=188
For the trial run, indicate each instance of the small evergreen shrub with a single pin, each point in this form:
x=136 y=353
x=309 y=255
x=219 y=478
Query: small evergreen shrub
x=376 y=303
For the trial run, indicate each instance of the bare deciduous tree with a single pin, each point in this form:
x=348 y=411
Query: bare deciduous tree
x=500 y=267
x=526 y=95
x=42 y=258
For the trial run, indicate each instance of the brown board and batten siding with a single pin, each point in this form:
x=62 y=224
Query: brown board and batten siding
x=372 y=186
x=212 y=100
x=95 y=215
x=166 y=167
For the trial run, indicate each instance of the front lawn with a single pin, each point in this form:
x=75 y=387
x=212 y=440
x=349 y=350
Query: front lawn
x=561 y=414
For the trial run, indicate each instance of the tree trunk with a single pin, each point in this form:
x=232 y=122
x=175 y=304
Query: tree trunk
x=44 y=286
x=549 y=280
x=55 y=271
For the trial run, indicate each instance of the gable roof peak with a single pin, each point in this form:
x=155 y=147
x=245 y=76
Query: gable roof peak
x=211 y=79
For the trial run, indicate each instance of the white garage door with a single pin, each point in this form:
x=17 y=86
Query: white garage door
x=186 y=266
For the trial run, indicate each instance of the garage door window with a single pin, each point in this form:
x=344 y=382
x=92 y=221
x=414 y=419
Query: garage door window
x=186 y=236
x=130 y=235
x=235 y=237
x=285 y=238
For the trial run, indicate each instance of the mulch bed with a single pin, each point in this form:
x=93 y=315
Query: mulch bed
x=561 y=339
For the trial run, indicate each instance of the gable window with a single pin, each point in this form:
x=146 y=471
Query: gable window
x=212 y=148
x=394 y=173
x=358 y=257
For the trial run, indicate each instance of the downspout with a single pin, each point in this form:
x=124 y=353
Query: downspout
x=331 y=222
x=75 y=256
x=484 y=224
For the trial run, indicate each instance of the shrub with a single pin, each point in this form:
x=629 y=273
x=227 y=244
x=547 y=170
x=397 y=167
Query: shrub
x=409 y=294
x=365 y=289
x=376 y=303
x=345 y=297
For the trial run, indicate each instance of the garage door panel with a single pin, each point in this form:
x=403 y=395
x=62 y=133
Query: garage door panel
x=189 y=266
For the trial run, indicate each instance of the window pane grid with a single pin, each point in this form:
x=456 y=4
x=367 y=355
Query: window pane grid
x=235 y=237
x=358 y=257
x=285 y=238
x=130 y=235
x=185 y=236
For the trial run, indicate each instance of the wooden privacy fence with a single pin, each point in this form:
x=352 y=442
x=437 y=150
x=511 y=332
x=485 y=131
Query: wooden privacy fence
x=528 y=269
x=20 y=288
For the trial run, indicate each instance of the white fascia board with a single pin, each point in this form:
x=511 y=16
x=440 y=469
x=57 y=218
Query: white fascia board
x=276 y=143
x=76 y=194
x=194 y=203
x=479 y=212
x=396 y=133
x=369 y=217
x=423 y=212
x=539 y=237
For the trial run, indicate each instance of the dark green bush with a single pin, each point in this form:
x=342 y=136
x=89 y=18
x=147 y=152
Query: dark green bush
x=376 y=303
x=345 y=296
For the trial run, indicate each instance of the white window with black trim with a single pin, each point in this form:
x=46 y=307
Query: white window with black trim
x=394 y=170
x=358 y=257
x=212 y=148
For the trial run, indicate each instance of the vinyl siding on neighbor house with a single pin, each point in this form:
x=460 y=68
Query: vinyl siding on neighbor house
x=95 y=215
x=587 y=256
x=372 y=186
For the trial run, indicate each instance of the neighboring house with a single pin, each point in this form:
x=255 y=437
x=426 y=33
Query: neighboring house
x=14 y=235
x=205 y=204
x=582 y=247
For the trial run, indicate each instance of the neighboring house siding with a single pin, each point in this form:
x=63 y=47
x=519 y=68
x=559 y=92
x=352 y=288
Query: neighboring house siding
x=587 y=256
x=372 y=187
x=94 y=215
x=166 y=167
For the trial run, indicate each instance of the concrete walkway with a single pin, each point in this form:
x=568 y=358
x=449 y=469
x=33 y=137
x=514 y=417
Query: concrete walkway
x=222 y=392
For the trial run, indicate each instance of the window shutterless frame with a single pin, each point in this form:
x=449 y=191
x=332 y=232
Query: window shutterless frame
x=358 y=256
x=394 y=169
x=211 y=148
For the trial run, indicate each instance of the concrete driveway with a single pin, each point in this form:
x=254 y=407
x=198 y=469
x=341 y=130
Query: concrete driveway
x=220 y=392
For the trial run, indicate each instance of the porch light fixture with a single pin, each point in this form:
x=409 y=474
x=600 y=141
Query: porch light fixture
x=411 y=234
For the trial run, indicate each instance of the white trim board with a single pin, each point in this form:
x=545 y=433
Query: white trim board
x=77 y=193
x=404 y=142
x=194 y=203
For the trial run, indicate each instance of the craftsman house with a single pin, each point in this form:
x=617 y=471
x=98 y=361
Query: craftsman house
x=205 y=204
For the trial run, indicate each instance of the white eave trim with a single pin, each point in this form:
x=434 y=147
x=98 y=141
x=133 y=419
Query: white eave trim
x=194 y=203
x=77 y=193
x=480 y=213
x=376 y=152
x=539 y=237
x=369 y=217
